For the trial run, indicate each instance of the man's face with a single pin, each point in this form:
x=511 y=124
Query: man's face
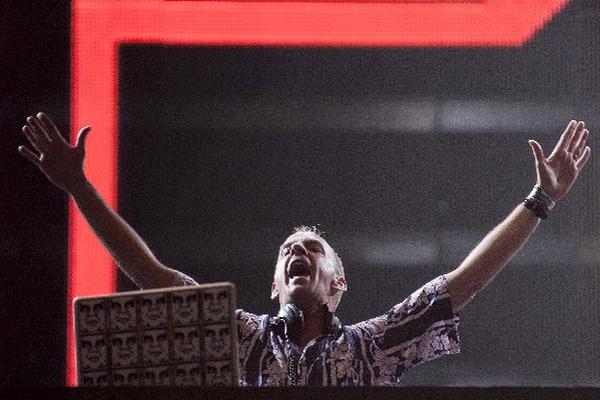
x=306 y=273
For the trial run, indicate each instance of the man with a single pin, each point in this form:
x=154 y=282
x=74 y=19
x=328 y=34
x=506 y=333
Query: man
x=305 y=344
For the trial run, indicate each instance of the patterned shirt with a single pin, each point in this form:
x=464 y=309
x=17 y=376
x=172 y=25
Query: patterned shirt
x=373 y=352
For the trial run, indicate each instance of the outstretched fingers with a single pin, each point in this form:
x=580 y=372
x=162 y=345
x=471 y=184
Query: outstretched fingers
x=36 y=135
x=538 y=153
x=581 y=161
x=565 y=138
x=51 y=129
x=35 y=125
x=33 y=138
x=82 y=137
x=577 y=136
x=30 y=155
x=580 y=145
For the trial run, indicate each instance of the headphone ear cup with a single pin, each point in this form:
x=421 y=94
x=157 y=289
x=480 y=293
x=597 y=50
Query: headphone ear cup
x=294 y=321
x=295 y=314
x=333 y=323
x=337 y=324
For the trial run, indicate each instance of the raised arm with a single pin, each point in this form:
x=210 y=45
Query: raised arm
x=555 y=176
x=63 y=165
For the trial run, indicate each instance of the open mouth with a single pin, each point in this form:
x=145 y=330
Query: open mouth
x=216 y=310
x=299 y=268
x=124 y=355
x=93 y=358
x=154 y=316
x=186 y=349
x=155 y=353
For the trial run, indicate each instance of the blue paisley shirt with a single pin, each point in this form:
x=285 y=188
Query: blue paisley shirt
x=375 y=352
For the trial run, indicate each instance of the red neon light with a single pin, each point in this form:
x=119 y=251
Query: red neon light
x=98 y=27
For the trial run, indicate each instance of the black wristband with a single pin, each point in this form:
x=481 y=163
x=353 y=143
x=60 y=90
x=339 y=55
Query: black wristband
x=537 y=207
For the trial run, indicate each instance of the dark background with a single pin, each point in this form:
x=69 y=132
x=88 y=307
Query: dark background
x=405 y=156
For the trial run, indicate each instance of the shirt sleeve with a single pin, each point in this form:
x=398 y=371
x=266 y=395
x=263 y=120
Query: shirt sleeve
x=182 y=279
x=421 y=328
x=249 y=324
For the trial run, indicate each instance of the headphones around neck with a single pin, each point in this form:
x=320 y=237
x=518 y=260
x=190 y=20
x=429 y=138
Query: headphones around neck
x=289 y=322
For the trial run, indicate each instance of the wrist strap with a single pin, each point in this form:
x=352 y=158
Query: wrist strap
x=539 y=202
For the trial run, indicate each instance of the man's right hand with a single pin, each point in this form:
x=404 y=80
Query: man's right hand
x=63 y=165
x=57 y=159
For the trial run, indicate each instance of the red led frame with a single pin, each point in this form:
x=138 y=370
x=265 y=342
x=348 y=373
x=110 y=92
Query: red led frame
x=99 y=27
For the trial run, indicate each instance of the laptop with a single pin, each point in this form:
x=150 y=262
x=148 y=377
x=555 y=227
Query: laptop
x=173 y=336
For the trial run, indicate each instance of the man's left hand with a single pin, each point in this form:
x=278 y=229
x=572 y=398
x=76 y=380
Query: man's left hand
x=557 y=173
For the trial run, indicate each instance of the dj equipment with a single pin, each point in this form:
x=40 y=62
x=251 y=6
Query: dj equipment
x=173 y=336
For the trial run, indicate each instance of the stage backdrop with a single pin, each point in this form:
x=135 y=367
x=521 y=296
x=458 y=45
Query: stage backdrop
x=405 y=156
